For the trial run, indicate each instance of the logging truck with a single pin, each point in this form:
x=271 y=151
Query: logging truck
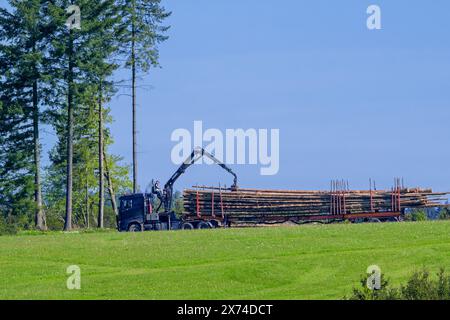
x=137 y=211
x=217 y=207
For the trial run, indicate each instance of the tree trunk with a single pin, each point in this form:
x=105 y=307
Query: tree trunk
x=87 y=201
x=69 y=182
x=133 y=89
x=39 y=214
x=112 y=194
x=101 y=194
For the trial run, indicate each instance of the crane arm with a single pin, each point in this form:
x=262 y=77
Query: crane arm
x=167 y=195
x=196 y=154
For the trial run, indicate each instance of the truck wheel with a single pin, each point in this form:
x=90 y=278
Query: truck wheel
x=203 y=225
x=187 y=226
x=214 y=224
x=134 y=228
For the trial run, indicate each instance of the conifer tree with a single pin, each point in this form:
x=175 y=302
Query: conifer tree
x=141 y=32
x=24 y=37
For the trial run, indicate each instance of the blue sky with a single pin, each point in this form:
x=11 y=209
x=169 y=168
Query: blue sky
x=349 y=102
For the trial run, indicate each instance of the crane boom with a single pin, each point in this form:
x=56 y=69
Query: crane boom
x=166 y=196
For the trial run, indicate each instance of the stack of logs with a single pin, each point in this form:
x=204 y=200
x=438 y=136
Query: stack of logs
x=241 y=203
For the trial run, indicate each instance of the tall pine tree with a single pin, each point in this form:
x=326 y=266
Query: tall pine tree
x=141 y=32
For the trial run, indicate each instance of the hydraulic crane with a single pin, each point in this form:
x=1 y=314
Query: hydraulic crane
x=166 y=195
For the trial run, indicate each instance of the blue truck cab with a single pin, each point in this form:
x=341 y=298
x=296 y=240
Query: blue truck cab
x=136 y=213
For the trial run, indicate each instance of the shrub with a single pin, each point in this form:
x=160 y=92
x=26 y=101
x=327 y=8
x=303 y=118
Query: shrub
x=364 y=293
x=420 y=286
x=415 y=215
x=7 y=228
x=444 y=214
x=54 y=220
x=419 y=215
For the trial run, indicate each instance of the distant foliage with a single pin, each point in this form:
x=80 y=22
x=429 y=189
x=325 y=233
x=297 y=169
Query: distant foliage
x=444 y=214
x=178 y=203
x=420 y=286
x=7 y=228
x=416 y=215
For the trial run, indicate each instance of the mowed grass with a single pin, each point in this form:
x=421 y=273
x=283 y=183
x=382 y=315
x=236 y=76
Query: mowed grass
x=300 y=262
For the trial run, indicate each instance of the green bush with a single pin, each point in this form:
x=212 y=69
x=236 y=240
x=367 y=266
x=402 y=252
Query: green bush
x=54 y=220
x=419 y=215
x=420 y=286
x=364 y=293
x=7 y=228
x=444 y=214
x=416 y=215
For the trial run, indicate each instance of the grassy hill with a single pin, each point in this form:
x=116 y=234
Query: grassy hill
x=304 y=262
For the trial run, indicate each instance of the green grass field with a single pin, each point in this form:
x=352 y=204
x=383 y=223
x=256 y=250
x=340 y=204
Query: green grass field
x=301 y=262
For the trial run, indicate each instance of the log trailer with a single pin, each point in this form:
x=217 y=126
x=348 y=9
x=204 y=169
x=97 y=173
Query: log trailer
x=223 y=207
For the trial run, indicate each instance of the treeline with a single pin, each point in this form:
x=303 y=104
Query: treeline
x=58 y=77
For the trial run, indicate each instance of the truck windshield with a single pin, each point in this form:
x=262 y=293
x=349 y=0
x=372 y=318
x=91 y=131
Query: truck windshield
x=126 y=204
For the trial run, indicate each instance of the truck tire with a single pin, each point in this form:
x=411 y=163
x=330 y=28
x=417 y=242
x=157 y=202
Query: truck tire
x=187 y=226
x=203 y=225
x=134 y=227
x=214 y=224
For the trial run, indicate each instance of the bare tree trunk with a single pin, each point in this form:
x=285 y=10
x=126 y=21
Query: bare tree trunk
x=112 y=195
x=39 y=214
x=69 y=182
x=133 y=88
x=87 y=202
x=93 y=216
x=101 y=193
